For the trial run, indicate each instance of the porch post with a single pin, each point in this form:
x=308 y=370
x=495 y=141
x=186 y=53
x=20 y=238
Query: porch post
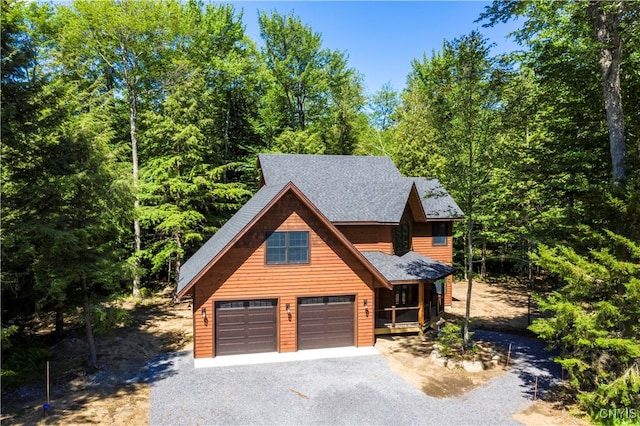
x=393 y=316
x=421 y=304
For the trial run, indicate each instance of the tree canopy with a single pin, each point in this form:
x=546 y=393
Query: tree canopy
x=130 y=131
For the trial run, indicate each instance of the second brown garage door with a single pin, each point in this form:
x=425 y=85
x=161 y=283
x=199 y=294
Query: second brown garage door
x=246 y=326
x=325 y=322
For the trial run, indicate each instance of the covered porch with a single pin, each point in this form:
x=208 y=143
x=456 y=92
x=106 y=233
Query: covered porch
x=409 y=307
x=417 y=296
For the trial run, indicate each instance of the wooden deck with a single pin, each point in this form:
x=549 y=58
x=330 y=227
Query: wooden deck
x=401 y=320
x=383 y=327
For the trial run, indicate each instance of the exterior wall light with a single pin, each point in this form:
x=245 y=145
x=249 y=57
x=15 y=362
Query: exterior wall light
x=288 y=308
x=204 y=314
x=366 y=306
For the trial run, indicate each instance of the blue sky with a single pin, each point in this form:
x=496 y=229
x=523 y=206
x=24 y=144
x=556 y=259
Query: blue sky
x=381 y=38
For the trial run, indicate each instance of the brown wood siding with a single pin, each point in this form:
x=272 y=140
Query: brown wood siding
x=242 y=274
x=417 y=213
x=448 y=298
x=369 y=237
x=423 y=244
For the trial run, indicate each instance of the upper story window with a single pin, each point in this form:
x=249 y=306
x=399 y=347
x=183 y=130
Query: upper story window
x=439 y=233
x=402 y=239
x=287 y=247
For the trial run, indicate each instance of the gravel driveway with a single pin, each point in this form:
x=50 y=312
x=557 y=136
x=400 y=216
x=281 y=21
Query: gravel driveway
x=358 y=390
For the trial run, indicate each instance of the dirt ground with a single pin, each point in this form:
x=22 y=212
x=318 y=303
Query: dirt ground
x=159 y=327
x=547 y=413
x=409 y=357
x=105 y=397
x=499 y=307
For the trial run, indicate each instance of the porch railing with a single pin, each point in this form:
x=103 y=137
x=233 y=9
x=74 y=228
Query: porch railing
x=397 y=314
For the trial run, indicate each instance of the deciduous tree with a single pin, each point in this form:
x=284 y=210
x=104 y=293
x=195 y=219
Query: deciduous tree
x=595 y=31
x=307 y=86
x=129 y=42
x=457 y=99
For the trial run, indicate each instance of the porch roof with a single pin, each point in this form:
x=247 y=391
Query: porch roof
x=411 y=266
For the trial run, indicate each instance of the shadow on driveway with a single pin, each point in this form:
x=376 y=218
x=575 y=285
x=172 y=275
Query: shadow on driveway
x=529 y=359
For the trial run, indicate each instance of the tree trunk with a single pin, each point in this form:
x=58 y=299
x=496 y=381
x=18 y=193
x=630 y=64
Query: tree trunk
x=178 y=256
x=466 y=259
x=465 y=329
x=302 y=120
x=531 y=280
x=605 y=19
x=483 y=261
x=59 y=320
x=137 y=233
x=93 y=353
x=227 y=125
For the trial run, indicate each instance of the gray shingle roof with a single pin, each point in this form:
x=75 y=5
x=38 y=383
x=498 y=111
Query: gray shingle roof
x=356 y=188
x=409 y=267
x=226 y=234
x=344 y=189
x=280 y=168
x=436 y=201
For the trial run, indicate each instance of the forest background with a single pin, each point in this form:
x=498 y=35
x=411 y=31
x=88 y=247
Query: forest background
x=130 y=132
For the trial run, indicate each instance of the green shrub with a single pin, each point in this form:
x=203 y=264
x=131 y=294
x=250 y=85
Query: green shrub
x=145 y=292
x=593 y=319
x=106 y=318
x=24 y=361
x=450 y=339
x=5 y=335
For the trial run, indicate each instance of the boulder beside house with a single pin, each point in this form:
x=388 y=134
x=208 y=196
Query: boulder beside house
x=329 y=252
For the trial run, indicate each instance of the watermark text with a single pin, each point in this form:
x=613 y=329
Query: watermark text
x=619 y=413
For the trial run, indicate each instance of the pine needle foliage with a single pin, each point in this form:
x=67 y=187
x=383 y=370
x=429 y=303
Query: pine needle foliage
x=594 y=319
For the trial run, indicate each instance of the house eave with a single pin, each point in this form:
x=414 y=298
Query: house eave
x=339 y=223
x=445 y=219
x=402 y=282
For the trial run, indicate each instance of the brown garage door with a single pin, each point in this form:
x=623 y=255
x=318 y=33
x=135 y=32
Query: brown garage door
x=246 y=327
x=325 y=322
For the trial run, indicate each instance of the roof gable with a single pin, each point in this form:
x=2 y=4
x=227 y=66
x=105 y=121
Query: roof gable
x=415 y=204
x=436 y=201
x=226 y=235
x=215 y=248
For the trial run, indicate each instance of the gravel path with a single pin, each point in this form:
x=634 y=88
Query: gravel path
x=359 y=390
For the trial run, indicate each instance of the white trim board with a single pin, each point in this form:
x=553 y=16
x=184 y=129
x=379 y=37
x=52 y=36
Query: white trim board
x=271 y=357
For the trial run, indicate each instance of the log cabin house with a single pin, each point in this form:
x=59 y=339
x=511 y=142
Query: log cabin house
x=330 y=252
